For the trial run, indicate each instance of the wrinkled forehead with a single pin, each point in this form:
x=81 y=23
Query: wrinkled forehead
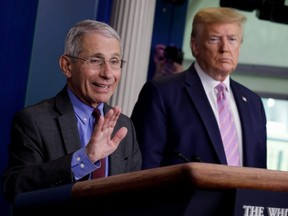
x=95 y=44
x=99 y=42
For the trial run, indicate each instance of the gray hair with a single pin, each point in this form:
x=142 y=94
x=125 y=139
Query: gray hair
x=76 y=33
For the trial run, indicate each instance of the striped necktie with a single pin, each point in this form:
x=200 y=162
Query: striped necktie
x=98 y=173
x=227 y=127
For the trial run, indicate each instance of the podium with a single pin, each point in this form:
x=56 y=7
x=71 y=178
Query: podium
x=184 y=190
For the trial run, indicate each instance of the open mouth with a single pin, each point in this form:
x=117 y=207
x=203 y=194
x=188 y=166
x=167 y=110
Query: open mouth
x=102 y=86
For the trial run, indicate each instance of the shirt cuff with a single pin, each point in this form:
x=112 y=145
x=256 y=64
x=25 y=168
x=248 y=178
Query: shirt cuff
x=81 y=165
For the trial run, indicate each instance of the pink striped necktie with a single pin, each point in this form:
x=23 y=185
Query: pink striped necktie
x=227 y=127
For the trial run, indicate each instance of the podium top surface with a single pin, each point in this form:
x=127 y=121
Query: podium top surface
x=185 y=176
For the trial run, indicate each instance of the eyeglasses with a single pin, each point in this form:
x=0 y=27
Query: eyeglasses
x=97 y=62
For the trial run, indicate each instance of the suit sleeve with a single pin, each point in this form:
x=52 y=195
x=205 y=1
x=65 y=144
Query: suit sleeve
x=31 y=164
x=149 y=118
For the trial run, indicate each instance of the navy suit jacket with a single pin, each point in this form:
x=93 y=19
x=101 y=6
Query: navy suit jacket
x=43 y=139
x=173 y=115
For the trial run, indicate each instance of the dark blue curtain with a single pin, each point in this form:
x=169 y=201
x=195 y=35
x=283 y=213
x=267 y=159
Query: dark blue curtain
x=104 y=10
x=17 y=27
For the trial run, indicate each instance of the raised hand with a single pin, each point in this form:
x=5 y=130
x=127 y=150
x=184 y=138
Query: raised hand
x=101 y=143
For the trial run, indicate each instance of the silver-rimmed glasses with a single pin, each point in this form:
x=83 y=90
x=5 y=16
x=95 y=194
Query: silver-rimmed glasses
x=98 y=62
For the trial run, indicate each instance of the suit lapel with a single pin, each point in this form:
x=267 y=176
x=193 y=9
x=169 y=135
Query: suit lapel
x=116 y=156
x=67 y=122
x=198 y=96
x=244 y=115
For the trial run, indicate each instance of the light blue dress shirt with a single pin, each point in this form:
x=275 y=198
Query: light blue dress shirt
x=81 y=165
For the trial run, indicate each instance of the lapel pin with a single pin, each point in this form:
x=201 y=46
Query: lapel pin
x=244 y=99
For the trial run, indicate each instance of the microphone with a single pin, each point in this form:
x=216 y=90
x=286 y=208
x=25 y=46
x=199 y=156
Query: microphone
x=185 y=159
x=182 y=157
x=196 y=158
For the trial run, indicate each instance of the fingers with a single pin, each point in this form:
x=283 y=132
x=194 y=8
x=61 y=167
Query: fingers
x=109 y=120
x=111 y=117
x=101 y=143
x=119 y=136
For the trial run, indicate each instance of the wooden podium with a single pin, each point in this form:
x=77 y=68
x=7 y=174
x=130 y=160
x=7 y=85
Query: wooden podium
x=184 y=189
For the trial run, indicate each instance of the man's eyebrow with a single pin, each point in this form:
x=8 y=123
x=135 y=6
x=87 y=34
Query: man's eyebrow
x=100 y=55
x=97 y=55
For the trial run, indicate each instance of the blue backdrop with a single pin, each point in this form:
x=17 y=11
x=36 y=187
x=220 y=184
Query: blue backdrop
x=17 y=25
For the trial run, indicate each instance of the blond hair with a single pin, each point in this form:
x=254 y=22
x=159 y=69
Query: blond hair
x=217 y=15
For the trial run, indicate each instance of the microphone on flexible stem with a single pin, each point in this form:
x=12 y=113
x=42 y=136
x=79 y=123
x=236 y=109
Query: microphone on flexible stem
x=182 y=157
x=186 y=160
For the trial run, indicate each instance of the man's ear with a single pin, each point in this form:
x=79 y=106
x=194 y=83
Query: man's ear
x=65 y=65
x=194 y=47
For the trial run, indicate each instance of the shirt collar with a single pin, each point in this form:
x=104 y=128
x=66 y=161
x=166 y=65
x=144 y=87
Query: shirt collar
x=208 y=82
x=82 y=110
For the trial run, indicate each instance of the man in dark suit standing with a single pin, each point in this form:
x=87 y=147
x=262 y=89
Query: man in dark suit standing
x=177 y=117
x=59 y=141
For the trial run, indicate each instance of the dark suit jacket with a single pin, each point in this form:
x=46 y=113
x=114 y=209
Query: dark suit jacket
x=174 y=115
x=43 y=139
